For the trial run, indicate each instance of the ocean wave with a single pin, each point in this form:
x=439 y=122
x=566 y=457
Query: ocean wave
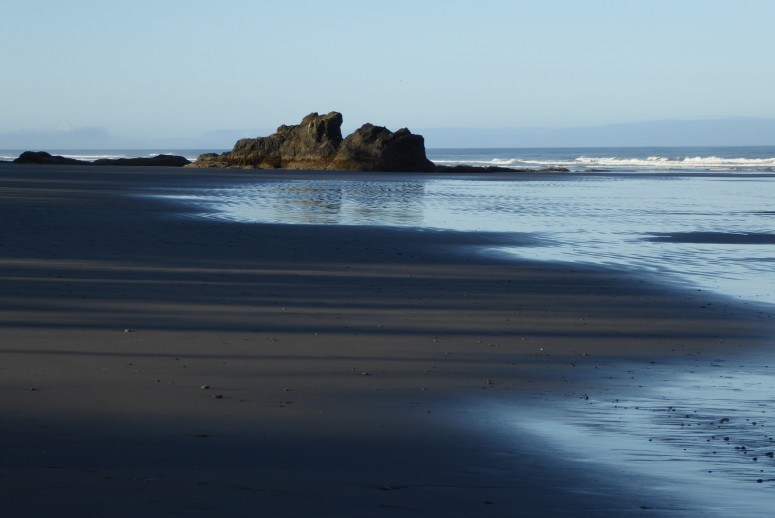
x=503 y=162
x=697 y=162
x=660 y=163
x=92 y=158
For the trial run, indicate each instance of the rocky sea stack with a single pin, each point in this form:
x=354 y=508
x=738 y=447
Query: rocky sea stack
x=317 y=144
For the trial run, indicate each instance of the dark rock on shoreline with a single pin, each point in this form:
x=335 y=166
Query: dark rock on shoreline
x=375 y=148
x=553 y=170
x=311 y=144
x=158 y=161
x=464 y=168
x=43 y=158
x=317 y=144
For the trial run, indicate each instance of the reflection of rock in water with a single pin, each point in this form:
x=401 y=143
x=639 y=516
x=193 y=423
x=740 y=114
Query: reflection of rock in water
x=307 y=202
x=318 y=201
x=347 y=203
x=390 y=203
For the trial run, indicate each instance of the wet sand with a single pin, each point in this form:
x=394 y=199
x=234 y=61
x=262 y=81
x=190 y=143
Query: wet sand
x=159 y=365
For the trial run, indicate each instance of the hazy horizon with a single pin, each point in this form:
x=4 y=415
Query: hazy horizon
x=740 y=131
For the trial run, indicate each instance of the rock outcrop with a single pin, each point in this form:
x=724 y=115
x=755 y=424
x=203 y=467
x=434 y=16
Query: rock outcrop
x=43 y=158
x=375 y=148
x=317 y=144
x=308 y=145
x=154 y=161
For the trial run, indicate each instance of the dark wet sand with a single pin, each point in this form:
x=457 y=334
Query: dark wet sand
x=332 y=355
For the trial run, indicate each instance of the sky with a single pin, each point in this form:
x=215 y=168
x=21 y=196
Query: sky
x=198 y=71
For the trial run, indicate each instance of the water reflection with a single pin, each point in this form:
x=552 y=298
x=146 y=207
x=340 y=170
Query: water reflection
x=655 y=223
x=319 y=202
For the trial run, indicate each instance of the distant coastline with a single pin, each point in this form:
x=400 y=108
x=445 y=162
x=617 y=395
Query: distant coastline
x=719 y=132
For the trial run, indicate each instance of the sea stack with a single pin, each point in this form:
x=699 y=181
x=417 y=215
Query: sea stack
x=317 y=144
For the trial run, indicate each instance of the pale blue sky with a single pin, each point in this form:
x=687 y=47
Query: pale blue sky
x=178 y=69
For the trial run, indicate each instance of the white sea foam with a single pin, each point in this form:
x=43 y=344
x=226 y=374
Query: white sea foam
x=697 y=162
x=92 y=158
x=660 y=163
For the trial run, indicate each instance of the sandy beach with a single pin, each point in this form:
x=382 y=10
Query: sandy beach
x=157 y=365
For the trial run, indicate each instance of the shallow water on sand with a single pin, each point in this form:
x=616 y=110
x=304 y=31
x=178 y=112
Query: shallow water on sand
x=710 y=232
x=705 y=435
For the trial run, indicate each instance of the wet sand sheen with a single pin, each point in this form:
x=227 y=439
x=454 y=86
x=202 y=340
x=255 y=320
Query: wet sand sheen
x=701 y=428
x=333 y=359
